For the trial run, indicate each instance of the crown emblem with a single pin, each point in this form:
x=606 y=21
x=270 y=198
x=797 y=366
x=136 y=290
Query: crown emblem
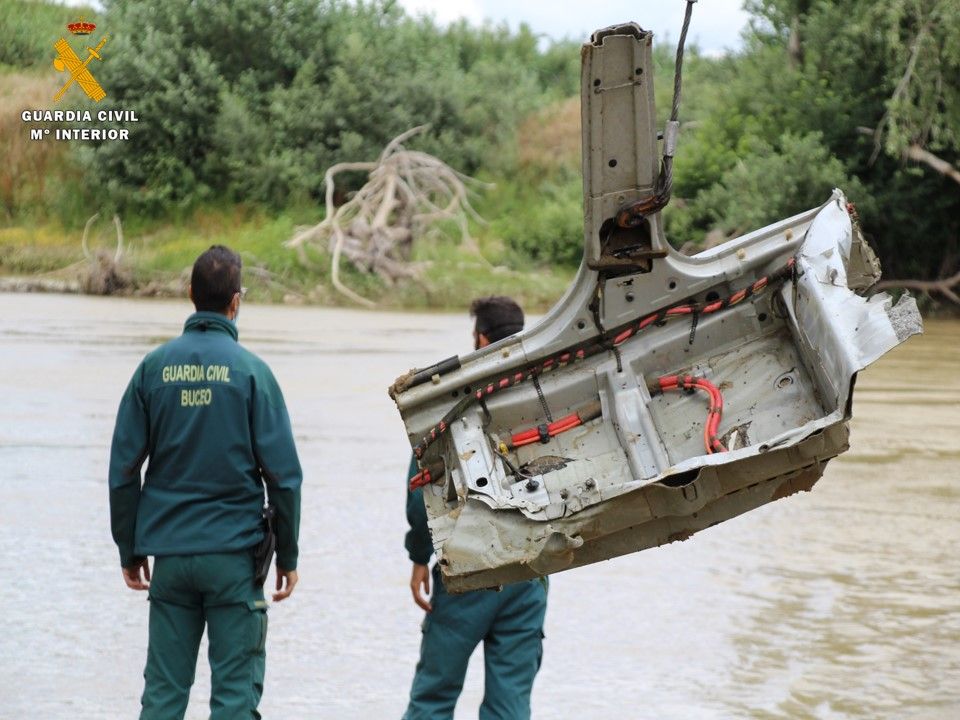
x=81 y=27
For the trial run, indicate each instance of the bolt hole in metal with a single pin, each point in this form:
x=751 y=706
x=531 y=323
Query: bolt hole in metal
x=613 y=162
x=638 y=71
x=672 y=285
x=713 y=296
x=481 y=482
x=762 y=317
x=784 y=381
x=596 y=82
x=629 y=297
x=581 y=324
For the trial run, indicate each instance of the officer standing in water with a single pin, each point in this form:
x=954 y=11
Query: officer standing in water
x=210 y=417
x=508 y=622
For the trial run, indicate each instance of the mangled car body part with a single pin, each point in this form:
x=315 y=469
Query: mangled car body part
x=663 y=394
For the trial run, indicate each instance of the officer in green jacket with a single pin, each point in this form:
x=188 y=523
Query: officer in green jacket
x=211 y=419
x=509 y=623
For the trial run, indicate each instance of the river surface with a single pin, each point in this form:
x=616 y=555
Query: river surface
x=839 y=603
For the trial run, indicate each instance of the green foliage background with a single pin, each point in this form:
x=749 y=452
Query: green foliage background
x=247 y=103
x=253 y=100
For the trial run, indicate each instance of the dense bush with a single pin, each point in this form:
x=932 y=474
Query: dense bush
x=542 y=220
x=255 y=99
x=776 y=181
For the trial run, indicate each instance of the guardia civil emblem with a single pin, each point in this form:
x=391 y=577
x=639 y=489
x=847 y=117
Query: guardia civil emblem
x=68 y=61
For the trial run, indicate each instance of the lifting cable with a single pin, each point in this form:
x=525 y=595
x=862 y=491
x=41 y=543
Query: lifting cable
x=632 y=214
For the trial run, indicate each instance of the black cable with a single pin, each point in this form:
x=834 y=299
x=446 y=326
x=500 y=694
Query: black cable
x=543 y=399
x=517 y=472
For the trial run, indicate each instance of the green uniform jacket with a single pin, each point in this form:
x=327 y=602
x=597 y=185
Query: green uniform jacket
x=210 y=417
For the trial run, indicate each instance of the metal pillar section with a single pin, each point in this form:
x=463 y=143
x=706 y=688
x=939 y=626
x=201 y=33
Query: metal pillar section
x=618 y=125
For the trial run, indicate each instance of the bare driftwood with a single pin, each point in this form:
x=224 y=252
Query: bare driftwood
x=407 y=192
x=103 y=274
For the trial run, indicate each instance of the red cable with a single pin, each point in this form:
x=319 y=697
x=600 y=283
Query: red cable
x=420 y=479
x=712 y=426
x=528 y=437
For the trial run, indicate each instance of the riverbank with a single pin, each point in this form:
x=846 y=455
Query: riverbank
x=155 y=260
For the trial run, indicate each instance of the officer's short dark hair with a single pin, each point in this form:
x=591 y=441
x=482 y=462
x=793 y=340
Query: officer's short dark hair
x=497 y=317
x=215 y=278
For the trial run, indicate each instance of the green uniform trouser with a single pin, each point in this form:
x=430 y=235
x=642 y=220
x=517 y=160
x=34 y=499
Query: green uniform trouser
x=186 y=593
x=510 y=625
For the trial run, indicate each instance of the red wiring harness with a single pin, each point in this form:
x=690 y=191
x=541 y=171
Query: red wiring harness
x=705 y=308
x=428 y=474
x=600 y=344
x=543 y=433
x=528 y=437
x=689 y=383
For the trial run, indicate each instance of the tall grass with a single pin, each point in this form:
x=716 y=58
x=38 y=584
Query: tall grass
x=33 y=173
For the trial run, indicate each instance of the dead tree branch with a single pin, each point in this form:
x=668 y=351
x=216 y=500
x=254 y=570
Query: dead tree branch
x=944 y=286
x=915 y=152
x=921 y=154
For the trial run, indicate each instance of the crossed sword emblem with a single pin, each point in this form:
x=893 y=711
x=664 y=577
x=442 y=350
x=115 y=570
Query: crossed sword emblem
x=67 y=60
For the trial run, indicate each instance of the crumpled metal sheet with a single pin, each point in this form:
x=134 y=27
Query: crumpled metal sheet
x=598 y=504
x=638 y=476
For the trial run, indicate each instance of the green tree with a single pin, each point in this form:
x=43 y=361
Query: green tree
x=776 y=181
x=866 y=93
x=254 y=99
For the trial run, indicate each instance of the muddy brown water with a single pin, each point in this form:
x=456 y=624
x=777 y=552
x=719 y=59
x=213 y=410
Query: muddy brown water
x=839 y=603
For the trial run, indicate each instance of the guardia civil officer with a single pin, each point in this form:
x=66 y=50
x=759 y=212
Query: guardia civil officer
x=509 y=623
x=210 y=419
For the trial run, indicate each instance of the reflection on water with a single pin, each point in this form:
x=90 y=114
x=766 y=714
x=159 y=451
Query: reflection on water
x=840 y=603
